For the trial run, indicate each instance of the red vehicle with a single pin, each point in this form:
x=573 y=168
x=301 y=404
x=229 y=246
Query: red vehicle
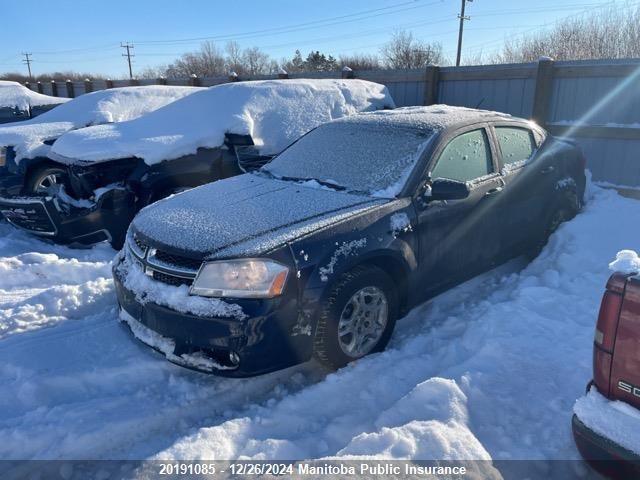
x=606 y=422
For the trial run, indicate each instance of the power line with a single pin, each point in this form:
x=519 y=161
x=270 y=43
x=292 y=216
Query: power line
x=128 y=46
x=27 y=60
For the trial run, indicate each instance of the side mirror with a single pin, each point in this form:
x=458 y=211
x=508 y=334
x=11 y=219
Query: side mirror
x=445 y=189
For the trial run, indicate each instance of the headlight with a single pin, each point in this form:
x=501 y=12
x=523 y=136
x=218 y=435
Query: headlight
x=246 y=278
x=3 y=156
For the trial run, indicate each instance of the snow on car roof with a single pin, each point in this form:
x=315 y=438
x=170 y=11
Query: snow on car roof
x=103 y=106
x=273 y=112
x=428 y=118
x=13 y=95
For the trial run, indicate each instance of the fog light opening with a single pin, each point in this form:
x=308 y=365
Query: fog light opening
x=234 y=358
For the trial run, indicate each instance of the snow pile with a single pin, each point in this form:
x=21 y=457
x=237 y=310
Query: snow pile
x=147 y=290
x=14 y=95
x=273 y=112
x=617 y=421
x=43 y=289
x=627 y=261
x=104 y=106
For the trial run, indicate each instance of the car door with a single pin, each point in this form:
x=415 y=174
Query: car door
x=529 y=181
x=459 y=238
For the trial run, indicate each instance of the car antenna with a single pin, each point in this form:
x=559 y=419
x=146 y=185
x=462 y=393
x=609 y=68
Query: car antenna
x=480 y=103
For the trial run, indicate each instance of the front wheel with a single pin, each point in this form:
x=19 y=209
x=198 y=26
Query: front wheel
x=357 y=318
x=44 y=178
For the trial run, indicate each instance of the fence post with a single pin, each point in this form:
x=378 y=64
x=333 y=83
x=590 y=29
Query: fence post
x=70 y=92
x=39 y=87
x=233 y=77
x=282 y=74
x=542 y=92
x=108 y=83
x=161 y=80
x=347 y=72
x=194 y=81
x=88 y=85
x=54 y=88
x=431 y=84
x=134 y=82
x=28 y=85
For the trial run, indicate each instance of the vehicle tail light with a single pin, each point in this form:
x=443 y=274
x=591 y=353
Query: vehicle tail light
x=608 y=320
x=605 y=334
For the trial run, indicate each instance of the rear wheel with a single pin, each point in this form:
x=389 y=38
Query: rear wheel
x=357 y=318
x=44 y=178
x=570 y=208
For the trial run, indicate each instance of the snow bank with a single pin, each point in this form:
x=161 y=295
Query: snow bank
x=273 y=112
x=13 y=95
x=617 y=421
x=104 y=106
x=627 y=261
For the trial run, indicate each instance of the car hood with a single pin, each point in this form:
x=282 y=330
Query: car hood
x=27 y=138
x=244 y=216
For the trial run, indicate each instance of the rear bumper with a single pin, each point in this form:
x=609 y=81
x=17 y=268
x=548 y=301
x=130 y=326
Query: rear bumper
x=50 y=217
x=604 y=455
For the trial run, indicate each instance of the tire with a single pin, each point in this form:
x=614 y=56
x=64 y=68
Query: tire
x=352 y=288
x=44 y=177
x=569 y=208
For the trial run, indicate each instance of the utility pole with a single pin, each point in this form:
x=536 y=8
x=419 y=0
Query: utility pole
x=462 y=19
x=27 y=60
x=128 y=47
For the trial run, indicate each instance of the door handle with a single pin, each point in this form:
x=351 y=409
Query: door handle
x=493 y=191
x=547 y=170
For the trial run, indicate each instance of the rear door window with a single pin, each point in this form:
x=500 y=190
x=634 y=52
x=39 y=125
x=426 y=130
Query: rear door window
x=517 y=144
x=465 y=158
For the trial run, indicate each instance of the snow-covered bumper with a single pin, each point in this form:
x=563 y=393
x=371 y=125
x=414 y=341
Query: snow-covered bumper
x=265 y=338
x=63 y=222
x=594 y=415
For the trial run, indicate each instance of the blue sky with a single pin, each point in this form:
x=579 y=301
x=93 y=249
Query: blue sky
x=85 y=35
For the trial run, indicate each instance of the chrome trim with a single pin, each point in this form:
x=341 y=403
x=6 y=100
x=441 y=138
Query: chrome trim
x=145 y=257
x=23 y=202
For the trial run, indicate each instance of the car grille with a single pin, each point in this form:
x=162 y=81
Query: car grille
x=32 y=216
x=163 y=266
x=171 y=279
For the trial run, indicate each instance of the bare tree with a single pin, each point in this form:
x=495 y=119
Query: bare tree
x=235 y=61
x=404 y=51
x=208 y=61
x=256 y=61
x=612 y=33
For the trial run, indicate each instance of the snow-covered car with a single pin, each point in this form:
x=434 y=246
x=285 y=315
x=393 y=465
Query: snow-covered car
x=606 y=421
x=115 y=170
x=320 y=251
x=27 y=145
x=18 y=103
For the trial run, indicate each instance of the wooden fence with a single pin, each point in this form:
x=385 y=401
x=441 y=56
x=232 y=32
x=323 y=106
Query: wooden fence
x=597 y=103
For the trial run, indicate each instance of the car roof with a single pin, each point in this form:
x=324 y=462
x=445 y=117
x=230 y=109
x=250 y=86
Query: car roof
x=431 y=118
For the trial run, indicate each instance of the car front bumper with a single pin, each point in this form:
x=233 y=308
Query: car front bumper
x=266 y=340
x=604 y=455
x=50 y=217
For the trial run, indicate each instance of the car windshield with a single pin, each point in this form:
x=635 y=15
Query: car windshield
x=355 y=157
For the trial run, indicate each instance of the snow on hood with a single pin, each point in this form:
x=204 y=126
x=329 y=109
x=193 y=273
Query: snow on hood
x=13 y=95
x=273 y=112
x=104 y=106
x=244 y=215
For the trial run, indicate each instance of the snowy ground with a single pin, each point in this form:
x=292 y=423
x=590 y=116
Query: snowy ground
x=489 y=370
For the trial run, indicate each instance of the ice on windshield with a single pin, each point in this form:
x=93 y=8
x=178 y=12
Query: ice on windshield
x=357 y=157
